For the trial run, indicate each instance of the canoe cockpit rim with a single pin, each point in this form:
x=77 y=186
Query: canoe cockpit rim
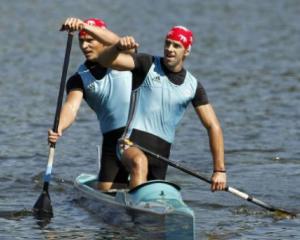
x=154 y=181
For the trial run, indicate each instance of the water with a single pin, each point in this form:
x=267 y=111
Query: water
x=246 y=54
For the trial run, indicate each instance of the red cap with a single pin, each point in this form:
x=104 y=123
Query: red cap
x=182 y=35
x=93 y=22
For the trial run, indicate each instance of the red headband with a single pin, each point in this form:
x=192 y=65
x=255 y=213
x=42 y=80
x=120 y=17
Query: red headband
x=93 y=22
x=182 y=35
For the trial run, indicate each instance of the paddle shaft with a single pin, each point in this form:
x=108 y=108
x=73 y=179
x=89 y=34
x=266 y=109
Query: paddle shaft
x=58 y=110
x=62 y=83
x=205 y=179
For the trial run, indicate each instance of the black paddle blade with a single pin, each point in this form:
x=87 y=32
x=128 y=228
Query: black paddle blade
x=42 y=209
x=283 y=214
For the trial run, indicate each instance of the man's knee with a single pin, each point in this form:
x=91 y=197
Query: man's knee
x=139 y=162
x=135 y=161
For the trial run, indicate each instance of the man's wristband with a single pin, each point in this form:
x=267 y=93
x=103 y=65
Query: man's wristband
x=218 y=170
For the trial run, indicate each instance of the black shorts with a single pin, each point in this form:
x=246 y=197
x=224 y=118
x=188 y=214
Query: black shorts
x=157 y=169
x=111 y=169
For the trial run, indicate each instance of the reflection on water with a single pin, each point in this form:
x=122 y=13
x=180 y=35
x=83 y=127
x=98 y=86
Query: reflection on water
x=15 y=215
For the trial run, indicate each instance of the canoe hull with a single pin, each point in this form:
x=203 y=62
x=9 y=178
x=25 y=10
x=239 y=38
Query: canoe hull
x=155 y=207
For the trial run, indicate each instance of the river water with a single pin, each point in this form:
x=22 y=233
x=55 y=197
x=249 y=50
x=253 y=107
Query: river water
x=246 y=54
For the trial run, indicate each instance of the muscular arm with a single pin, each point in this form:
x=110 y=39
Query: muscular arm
x=107 y=37
x=68 y=114
x=209 y=120
x=118 y=55
x=70 y=109
x=102 y=35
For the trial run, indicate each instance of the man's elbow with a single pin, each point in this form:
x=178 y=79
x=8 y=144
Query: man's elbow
x=215 y=128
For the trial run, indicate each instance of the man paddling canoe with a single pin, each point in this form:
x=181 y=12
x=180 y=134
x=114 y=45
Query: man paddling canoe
x=107 y=92
x=163 y=88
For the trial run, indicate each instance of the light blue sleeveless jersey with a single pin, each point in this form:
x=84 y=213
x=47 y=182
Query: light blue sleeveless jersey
x=160 y=104
x=109 y=97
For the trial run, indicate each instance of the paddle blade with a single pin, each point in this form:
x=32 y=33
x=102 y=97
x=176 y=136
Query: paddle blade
x=42 y=209
x=283 y=214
